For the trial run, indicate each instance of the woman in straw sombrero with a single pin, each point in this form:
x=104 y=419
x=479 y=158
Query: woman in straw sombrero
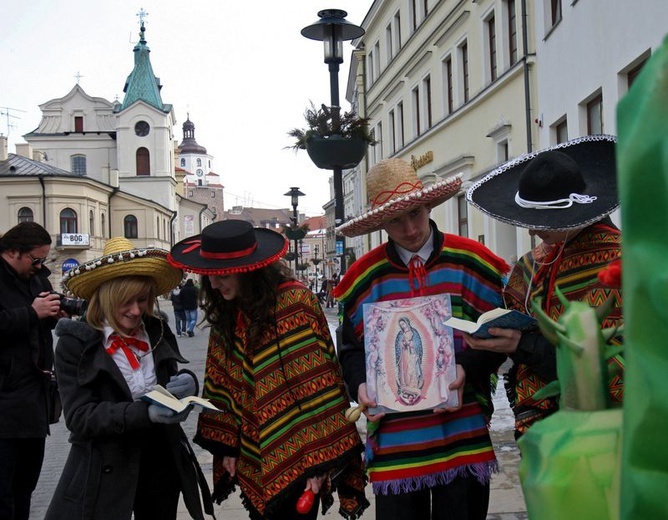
x=564 y=196
x=272 y=368
x=128 y=457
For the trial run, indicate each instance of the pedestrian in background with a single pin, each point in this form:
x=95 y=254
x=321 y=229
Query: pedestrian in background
x=564 y=196
x=190 y=302
x=179 y=312
x=271 y=366
x=28 y=312
x=128 y=458
x=423 y=465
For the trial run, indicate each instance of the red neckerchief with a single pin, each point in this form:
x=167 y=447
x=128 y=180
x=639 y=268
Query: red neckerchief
x=417 y=275
x=123 y=343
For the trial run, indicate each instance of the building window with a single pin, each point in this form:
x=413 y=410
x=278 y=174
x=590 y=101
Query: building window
x=426 y=93
x=143 y=160
x=199 y=162
x=103 y=229
x=555 y=12
x=91 y=222
x=397 y=32
x=595 y=115
x=401 y=135
x=78 y=124
x=632 y=74
x=183 y=163
x=376 y=60
x=464 y=55
x=130 y=228
x=371 y=74
x=78 y=164
x=389 y=42
x=68 y=221
x=512 y=31
x=561 y=131
x=25 y=215
x=462 y=216
x=447 y=82
x=393 y=132
x=157 y=226
x=414 y=14
x=491 y=47
x=417 y=125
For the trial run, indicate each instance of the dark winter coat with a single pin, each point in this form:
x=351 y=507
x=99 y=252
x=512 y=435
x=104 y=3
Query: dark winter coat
x=189 y=296
x=26 y=355
x=107 y=427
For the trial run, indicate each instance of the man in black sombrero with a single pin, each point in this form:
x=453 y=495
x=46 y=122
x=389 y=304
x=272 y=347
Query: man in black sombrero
x=422 y=465
x=564 y=196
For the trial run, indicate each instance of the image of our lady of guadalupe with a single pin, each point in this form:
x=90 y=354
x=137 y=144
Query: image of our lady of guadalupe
x=408 y=358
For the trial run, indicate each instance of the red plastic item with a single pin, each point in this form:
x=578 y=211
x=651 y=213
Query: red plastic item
x=305 y=502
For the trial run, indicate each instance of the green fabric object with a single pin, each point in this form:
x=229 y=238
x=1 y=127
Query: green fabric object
x=570 y=466
x=642 y=159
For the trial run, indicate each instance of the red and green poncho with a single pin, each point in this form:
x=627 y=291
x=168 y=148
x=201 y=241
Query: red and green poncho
x=283 y=405
x=416 y=450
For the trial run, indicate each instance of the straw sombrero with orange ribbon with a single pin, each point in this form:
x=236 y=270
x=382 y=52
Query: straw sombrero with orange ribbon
x=393 y=188
x=121 y=258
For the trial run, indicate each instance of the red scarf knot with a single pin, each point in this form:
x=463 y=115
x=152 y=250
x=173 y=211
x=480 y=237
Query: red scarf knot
x=417 y=275
x=123 y=343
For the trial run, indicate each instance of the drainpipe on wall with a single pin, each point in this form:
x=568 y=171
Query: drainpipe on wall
x=527 y=93
x=41 y=181
x=113 y=192
x=171 y=229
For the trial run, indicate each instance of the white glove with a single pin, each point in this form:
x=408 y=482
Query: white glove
x=163 y=415
x=182 y=385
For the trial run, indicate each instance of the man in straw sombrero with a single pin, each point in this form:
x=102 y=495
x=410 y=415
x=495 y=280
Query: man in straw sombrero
x=129 y=458
x=425 y=464
x=564 y=196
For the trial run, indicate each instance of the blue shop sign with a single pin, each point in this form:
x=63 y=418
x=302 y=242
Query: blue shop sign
x=68 y=264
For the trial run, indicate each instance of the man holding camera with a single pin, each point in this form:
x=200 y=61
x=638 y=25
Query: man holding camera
x=28 y=312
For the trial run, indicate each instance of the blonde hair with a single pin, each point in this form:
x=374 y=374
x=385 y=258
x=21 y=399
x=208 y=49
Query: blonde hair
x=114 y=293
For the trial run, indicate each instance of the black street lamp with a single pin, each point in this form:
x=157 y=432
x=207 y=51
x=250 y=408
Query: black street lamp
x=333 y=29
x=294 y=195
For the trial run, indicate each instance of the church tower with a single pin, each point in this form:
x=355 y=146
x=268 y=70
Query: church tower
x=145 y=151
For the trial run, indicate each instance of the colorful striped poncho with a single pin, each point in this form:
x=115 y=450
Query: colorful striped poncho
x=574 y=270
x=284 y=404
x=414 y=450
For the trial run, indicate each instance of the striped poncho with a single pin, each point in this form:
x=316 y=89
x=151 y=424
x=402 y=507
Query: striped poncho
x=573 y=268
x=284 y=405
x=414 y=450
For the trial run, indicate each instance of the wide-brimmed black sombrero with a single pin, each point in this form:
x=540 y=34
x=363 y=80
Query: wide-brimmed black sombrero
x=228 y=247
x=570 y=185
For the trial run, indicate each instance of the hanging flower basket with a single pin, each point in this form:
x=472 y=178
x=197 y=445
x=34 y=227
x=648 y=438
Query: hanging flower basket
x=336 y=151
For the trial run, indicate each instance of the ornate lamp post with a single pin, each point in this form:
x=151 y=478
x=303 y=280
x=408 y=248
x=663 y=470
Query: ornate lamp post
x=333 y=29
x=295 y=233
x=316 y=261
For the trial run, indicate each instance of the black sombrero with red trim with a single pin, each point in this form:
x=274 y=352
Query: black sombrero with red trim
x=228 y=247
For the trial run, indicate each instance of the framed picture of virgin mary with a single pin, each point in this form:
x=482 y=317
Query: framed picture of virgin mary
x=409 y=353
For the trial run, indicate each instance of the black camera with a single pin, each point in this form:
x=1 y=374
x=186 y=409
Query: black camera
x=72 y=306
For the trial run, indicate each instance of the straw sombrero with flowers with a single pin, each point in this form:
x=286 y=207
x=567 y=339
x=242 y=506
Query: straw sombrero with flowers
x=228 y=247
x=393 y=188
x=121 y=258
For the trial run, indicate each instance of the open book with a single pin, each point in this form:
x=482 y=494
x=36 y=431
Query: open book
x=499 y=318
x=160 y=395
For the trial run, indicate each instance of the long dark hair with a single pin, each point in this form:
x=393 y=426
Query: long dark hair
x=257 y=300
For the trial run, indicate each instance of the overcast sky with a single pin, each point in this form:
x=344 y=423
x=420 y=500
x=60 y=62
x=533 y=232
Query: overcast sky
x=240 y=68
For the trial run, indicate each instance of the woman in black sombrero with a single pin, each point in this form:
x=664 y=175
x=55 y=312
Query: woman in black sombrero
x=271 y=366
x=129 y=458
x=564 y=196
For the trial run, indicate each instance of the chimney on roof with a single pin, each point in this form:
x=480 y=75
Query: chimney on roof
x=3 y=147
x=24 y=150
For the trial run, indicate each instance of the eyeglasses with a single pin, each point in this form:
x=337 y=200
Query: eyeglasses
x=37 y=261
